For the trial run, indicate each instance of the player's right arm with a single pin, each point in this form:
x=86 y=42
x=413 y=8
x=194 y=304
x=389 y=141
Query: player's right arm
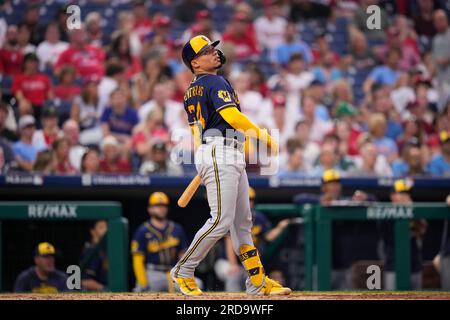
x=137 y=250
x=139 y=269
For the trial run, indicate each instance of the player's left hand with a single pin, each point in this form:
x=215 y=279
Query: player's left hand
x=271 y=143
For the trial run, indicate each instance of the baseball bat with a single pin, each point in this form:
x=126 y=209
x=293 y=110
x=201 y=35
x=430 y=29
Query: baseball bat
x=189 y=191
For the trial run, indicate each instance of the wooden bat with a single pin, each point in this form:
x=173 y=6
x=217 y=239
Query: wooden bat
x=189 y=191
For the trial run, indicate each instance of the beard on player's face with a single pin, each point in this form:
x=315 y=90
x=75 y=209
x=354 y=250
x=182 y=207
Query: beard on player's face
x=158 y=212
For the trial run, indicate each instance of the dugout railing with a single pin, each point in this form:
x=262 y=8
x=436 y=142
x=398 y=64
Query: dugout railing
x=116 y=237
x=318 y=221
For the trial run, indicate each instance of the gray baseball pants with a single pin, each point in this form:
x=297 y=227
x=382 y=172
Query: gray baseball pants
x=222 y=169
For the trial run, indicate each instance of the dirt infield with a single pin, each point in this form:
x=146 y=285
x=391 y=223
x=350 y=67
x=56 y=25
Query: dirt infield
x=235 y=296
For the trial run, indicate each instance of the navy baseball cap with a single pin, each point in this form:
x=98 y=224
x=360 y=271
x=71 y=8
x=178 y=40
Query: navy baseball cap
x=194 y=47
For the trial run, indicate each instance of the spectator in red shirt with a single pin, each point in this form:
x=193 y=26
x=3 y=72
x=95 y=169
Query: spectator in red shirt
x=245 y=46
x=85 y=58
x=10 y=55
x=396 y=38
x=67 y=89
x=61 y=148
x=113 y=160
x=142 y=22
x=31 y=88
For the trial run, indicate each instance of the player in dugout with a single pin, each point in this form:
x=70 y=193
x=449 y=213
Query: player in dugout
x=157 y=245
x=94 y=259
x=344 y=247
x=43 y=277
x=402 y=194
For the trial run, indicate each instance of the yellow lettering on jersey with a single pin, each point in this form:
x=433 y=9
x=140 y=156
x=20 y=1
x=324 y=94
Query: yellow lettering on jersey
x=198 y=117
x=44 y=288
x=193 y=91
x=224 y=95
x=155 y=246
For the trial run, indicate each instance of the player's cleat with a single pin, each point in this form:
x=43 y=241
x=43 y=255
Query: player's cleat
x=273 y=288
x=187 y=286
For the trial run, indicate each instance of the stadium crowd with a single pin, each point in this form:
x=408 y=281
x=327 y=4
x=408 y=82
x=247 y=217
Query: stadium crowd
x=108 y=97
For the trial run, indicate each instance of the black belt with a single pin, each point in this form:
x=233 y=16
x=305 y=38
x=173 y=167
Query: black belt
x=230 y=142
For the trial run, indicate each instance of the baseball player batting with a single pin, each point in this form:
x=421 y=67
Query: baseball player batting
x=213 y=112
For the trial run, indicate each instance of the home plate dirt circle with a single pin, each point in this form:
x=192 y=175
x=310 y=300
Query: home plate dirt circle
x=234 y=296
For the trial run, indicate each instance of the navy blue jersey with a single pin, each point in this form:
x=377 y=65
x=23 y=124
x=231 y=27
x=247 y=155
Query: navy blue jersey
x=387 y=229
x=160 y=247
x=95 y=261
x=206 y=96
x=28 y=281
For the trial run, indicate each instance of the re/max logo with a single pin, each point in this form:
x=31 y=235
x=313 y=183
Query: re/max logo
x=52 y=211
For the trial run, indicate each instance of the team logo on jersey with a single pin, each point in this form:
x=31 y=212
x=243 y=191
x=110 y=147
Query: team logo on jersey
x=155 y=245
x=224 y=95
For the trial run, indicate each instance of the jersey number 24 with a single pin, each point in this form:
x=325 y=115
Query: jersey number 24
x=197 y=111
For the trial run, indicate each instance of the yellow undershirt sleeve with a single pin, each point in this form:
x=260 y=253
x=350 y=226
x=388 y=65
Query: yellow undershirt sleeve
x=139 y=269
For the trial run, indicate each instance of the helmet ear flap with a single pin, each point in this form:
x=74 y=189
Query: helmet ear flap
x=222 y=57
